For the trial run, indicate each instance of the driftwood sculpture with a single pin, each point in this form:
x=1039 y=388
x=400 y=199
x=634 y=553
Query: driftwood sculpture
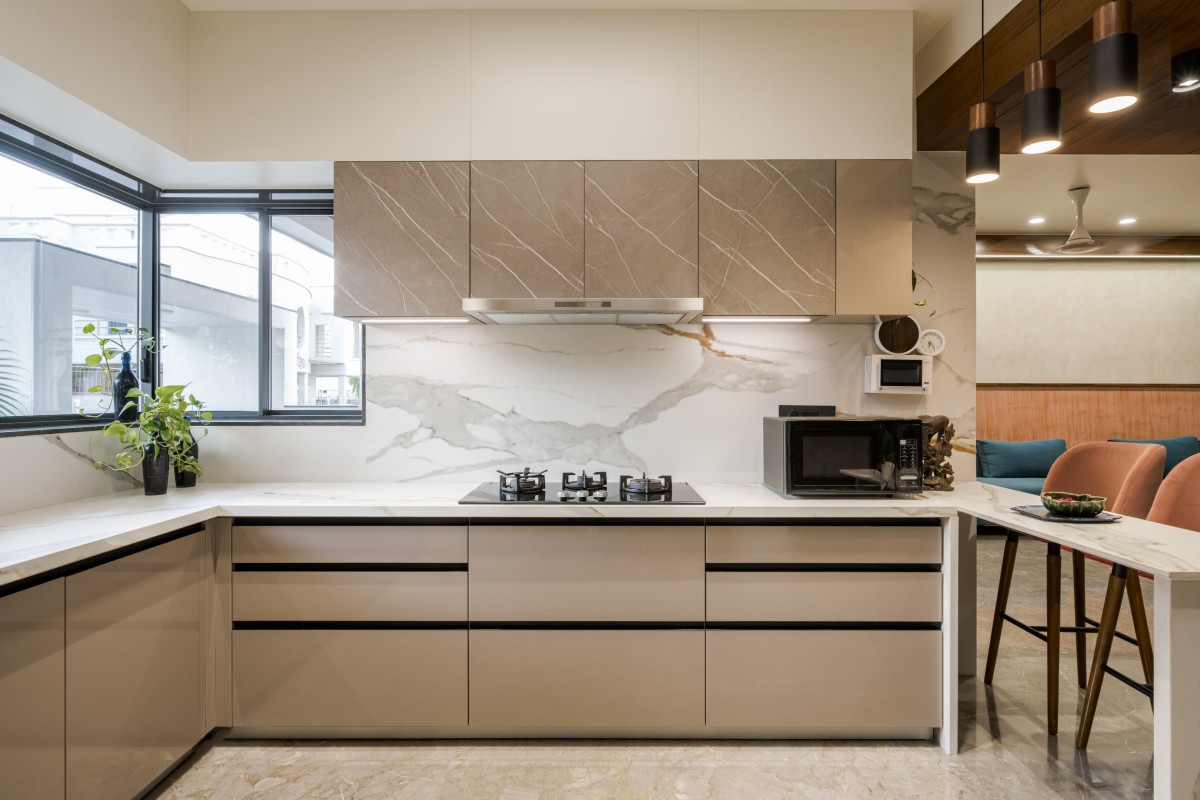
x=936 y=472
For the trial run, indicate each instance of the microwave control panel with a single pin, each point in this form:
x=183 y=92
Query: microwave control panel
x=910 y=460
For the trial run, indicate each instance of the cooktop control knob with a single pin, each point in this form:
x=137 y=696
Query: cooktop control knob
x=564 y=494
x=600 y=494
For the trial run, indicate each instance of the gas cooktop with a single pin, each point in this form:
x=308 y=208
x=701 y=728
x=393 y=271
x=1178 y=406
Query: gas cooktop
x=531 y=487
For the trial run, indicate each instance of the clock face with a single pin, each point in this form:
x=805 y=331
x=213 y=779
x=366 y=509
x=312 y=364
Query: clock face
x=931 y=343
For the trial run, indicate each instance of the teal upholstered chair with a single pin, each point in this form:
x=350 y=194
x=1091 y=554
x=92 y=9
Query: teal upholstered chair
x=1017 y=465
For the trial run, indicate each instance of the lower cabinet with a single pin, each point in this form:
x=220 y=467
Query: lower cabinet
x=833 y=679
x=349 y=678
x=620 y=679
x=135 y=660
x=31 y=693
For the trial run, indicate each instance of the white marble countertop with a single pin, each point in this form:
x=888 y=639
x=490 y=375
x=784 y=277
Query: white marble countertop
x=40 y=540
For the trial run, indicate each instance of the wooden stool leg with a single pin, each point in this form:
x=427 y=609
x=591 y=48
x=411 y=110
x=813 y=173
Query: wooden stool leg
x=1053 y=632
x=1079 y=591
x=1007 y=563
x=1141 y=627
x=1104 y=640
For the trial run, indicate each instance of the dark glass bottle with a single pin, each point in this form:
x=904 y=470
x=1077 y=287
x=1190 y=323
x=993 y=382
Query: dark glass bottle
x=124 y=381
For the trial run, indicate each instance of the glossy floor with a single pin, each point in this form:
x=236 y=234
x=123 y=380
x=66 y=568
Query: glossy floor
x=1006 y=752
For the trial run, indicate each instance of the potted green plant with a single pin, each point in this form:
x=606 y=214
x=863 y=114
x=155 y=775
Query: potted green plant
x=161 y=437
x=930 y=294
x=110 y=346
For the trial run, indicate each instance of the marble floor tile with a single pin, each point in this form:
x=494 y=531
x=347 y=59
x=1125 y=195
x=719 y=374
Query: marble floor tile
x=1006 y=752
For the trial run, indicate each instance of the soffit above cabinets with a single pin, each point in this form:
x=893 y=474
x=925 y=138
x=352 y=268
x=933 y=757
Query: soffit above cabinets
x=928 y=15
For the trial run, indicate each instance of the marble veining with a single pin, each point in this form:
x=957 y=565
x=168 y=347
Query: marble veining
x=641 y=229
x=526 y=228
x=401 y=243
x=767 y=237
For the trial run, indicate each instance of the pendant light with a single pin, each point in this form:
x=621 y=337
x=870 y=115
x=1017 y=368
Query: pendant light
x=1185 y=71
x=1041 y=107
x=983 y=137
x=1113 y=59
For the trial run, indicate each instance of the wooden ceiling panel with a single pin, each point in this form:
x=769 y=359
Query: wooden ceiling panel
x=1162 y=122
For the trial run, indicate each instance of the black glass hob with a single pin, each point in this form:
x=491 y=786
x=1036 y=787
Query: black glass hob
x=607 y=493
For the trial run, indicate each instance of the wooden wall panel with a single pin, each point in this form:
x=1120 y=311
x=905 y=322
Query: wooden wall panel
x=1086 y=413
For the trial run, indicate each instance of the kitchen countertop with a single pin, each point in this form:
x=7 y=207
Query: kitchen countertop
x=45 y=539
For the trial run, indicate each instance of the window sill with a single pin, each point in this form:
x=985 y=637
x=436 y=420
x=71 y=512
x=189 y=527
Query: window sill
x=42 y=427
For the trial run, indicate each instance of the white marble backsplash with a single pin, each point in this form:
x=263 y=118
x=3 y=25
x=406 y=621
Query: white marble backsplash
x=459 y=402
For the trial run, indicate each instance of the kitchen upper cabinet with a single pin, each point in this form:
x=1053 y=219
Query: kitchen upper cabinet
x=135 y=668
x=402 y=237
x=31 y=693
x=641 y=230
x=767 y=237
x=874 y=237
x=527 y=229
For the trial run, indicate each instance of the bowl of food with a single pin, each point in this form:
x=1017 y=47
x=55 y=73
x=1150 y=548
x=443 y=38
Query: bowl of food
x=1070 y=504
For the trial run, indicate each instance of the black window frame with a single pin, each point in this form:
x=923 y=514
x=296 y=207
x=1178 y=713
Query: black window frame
x=22 y=143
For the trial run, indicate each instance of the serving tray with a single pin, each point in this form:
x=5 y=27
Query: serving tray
x=1041 y=512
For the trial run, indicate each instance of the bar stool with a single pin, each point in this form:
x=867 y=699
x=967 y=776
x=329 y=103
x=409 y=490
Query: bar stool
x=1177 y=504
x=1128 y=475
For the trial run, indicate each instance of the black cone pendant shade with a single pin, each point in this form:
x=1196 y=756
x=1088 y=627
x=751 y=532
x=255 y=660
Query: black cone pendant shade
x=1185 y=71
x=983 y=137
x=1041 y=107
x=1113 y=59
x=983 y=144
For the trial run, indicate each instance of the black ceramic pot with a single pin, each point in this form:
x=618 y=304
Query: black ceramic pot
x=186 y=480
x=155 y=469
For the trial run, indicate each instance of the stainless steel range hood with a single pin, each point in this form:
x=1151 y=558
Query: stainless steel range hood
x=585 y=311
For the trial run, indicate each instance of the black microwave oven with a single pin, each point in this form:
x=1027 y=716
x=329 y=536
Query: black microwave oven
x=808 y=456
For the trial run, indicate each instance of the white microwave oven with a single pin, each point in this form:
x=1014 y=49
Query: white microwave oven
x=898 y=375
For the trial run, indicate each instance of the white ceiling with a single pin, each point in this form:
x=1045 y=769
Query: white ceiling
x=1161 y=192
x=928 y=15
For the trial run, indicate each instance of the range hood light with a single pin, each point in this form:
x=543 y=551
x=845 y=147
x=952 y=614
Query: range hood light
x=416 y=320
x=753 y=320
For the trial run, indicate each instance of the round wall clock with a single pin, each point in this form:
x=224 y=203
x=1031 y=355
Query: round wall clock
x=931 y=342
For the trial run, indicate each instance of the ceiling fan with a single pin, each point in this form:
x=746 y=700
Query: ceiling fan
x=1080 y=241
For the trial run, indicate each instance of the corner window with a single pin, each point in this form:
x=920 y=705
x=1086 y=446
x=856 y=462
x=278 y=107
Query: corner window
x=236 y=286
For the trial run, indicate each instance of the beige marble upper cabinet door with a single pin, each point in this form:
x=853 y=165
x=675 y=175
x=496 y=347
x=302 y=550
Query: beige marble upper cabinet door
x=767 y=237
x=401 y=238
x=527 y=229
x=641 y=229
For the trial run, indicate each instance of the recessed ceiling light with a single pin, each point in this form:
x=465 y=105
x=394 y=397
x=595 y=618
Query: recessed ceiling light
x=1036 y=220
x=1126 y=220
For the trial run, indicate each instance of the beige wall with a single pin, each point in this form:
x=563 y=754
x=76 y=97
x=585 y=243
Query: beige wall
x=545 y=84
x=127 y=58
x=1089 y=321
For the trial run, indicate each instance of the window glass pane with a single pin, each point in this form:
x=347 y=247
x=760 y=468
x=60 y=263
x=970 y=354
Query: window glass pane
x=316 y=360
x=209 y=286
x=68 y=256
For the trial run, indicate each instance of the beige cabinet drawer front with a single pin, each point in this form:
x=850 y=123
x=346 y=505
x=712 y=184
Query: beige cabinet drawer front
x=818 y=679
x=349 y=678
x=601 y=679
x=824 y=544
x=587 y=573
x=824 y=596
x=333 y=544
x=350 y=596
